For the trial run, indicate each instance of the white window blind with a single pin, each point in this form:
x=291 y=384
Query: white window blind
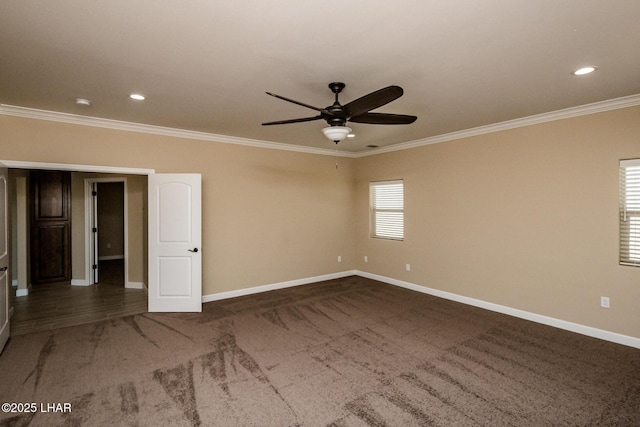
x=630 y=212
x=387 y=209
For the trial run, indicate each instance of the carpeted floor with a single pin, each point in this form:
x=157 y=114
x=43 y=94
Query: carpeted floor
x=346 y=352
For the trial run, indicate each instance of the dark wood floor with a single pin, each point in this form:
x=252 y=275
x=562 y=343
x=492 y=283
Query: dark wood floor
x=57 y=305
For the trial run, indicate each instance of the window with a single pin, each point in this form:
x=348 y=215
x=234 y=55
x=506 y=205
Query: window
x=387 y=209
x=630 y=212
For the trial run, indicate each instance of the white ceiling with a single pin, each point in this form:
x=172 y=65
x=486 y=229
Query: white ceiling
x=204 y=65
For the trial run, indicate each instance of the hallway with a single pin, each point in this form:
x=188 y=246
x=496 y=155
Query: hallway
x=57 y=305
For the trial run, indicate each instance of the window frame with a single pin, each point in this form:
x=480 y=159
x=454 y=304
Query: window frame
x=374 y=220
x=629 y=213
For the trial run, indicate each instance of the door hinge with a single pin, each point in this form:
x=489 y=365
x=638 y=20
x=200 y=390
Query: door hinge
x=94 y=229
x=94 y=266
x=94 y=193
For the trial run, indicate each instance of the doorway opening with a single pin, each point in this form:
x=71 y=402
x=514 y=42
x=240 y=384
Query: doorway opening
x=106 y=231
x=77 y=302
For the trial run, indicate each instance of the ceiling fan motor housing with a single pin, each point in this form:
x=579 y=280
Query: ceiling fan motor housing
x=337 y=117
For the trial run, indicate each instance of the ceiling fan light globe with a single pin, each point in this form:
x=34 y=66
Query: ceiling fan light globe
x=336 y=133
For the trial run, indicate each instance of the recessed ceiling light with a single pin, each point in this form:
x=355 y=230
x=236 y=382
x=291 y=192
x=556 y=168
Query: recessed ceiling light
x=372 y=146
x=82 y=101
x=137 y=97
x=584 y=70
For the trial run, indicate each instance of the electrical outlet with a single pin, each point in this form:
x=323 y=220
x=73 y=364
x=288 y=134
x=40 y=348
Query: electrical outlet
x=366 y=258
x=408 y=267
x=339 y=258
x=604 y=302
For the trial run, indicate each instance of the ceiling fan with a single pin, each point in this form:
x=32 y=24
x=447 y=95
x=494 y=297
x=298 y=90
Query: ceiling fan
x=358 y=111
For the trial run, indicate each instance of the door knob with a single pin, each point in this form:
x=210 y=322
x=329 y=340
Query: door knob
x=193 y=250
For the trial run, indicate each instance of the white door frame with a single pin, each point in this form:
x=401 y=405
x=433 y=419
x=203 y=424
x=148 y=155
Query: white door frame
x=5 y=271
x=90 y=218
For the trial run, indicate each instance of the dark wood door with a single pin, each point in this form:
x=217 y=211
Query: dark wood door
x=50 y=226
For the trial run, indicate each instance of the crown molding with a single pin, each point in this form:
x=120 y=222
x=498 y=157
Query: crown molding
x=583 y=110
x=76 y=119
x=15 y=164
x=596 y=107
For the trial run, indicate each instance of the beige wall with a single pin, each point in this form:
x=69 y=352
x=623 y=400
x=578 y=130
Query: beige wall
x=137 y=228
x=269 y=216
x=19 y=225
x=525 y=218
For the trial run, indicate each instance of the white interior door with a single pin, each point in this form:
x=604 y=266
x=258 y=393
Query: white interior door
x=175 y=255
x=4 y=259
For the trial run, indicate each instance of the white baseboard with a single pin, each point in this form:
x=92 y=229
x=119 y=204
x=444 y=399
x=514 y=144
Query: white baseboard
x=22 y=292
x=538 y=318
x=129 y=285
x=135 y=285
x=274 y=286
x=110 y=257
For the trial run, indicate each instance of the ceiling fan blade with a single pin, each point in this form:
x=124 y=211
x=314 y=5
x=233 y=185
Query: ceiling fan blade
x=383 y=119
x=373 y=100
x=322 y=110
x=284 y=122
